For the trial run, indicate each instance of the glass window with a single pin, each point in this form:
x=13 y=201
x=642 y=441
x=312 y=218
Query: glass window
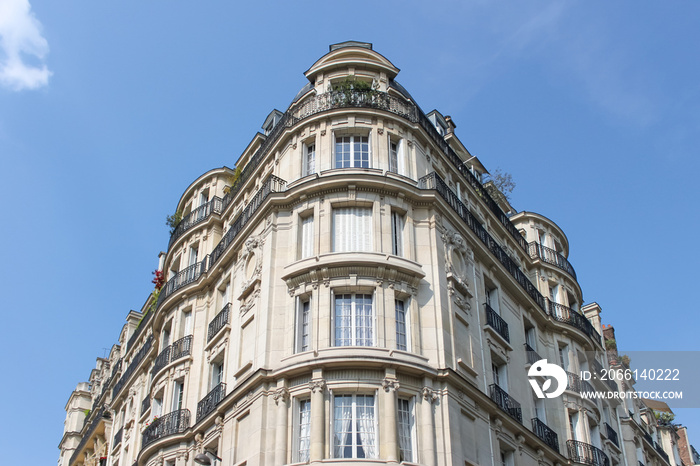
x=397 y=223
x=307 y=237
x=352 y=151
x=405 y=425
x=354 y=320
x=354 y=427
x=178 y=391
x=352 y=229
x=304 y=429
x=401 y=325
x=309 y=167
x=303 y=325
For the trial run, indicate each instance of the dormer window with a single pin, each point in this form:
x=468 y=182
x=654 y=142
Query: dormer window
x=271 y=121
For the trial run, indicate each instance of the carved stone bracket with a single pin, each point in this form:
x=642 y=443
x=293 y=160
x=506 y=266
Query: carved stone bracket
x=390 y=384
x=317 y=385
x=281 y=395
x=430 y=395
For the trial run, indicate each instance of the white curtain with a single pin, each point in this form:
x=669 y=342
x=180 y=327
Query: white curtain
x=343 y=320
x=342 y=425
x=364 y=331
x=352 y=229
x=307 y=237
x=405 y=430
x=304 y=430
x=365 y=425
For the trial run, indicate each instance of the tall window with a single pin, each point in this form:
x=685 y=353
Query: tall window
x=303 y=337
x=405 y=425
x=352 y=229
x=354 y=320
x=397 y=163
x=309 y=167
x=397 y=223
x=217 y=373
x=401 y=325
x=304 y=426
x=307 y=237
x=178 y=392
x=352 y=151
x=353 y=427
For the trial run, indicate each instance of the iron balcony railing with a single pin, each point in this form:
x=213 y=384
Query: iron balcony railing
x=210 y=401
x=183 y=278
x=218 y=322
x=138 y=357
x=118 y=436
x=181 y=348
x=117 y=367
x=142 y=325
x=640 y=463
x=648 y=438
x=661 y=451
x=550 y=256
x=506 y=402
x=584 y=453
x=567 y=315
x=545 y=434
x=576 y=384
x=168 y=424
x=497 y=322
x=198 y=215
x=88 y=434
x=162 y=360
x=532 y=356
x=611 y=434
x=433 y=181
x=145 y=405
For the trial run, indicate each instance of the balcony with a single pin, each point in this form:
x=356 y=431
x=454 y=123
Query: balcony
x=561 y=313
x=198 y=215
x=168 y=424
x=433 y=181
x=97 y=421
x=181 y=348
x=497 y=323
x=611 y=434
x=506 y=402
x=584 y=453
x=138 y=357
x=545 y=434
x=575 y=384
x=218 y=322
x=550 y=256
x=532 y=356
x=161 y=361
x=183 y=278
x=661 y=451
x=210 y=401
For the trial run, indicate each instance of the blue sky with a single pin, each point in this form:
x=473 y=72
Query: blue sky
x=108 y=110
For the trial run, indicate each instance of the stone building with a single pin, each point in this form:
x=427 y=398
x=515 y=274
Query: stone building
x=353 y=294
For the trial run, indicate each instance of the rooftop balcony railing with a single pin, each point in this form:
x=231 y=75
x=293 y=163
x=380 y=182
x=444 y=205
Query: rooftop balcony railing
x=532 y=356
x=210 y=401
x=550 y=256
x=138 y=357
x=198 y=215
x=611 y=434
x=584 y=453
x=567 y=315
x=183 y=278
x=545 y=434
x=497 y=322
x=218 y=322
x=506 y=402
x=181 y=348
x=168 y=424
x=433 y=181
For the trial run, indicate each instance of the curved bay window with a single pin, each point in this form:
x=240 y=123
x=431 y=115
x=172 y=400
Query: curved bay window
x=354 y=429
x=354 y=320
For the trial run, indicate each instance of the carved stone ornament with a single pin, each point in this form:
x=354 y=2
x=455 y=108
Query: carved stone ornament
x=457 y=257
x=462 y=303
x=390 y=384
x=317 y=385
x=281 y=395
x=430 y=395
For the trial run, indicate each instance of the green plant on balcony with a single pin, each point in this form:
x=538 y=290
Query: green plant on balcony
x=173 y=221
x=349 y=90
x=611 y=344
x=664 y=418
x=233 y=180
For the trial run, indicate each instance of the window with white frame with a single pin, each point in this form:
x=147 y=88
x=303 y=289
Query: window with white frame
x=178 y=394
x=507 y=458
x=309 y=159
x=303 y=431
x=402 y=333
x=499 y=372
x=352 y=152
x=352 y=229
x=306 y=246
x=217 y=372
x=406 y=422
x=397 y=159
x=397 y=224
x=354 y=429
x=354 y=320
x=303 y=333
x=157 y=407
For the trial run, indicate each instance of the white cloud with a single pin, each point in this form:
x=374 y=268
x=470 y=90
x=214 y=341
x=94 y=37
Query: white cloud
x=22 y=47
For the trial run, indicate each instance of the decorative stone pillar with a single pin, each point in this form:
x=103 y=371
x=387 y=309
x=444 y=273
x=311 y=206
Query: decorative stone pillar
x=389 y=447
x=317 y=434
x=281 y=397
x=428 y=451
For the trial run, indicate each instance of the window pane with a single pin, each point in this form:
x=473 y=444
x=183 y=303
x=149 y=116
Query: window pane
x=401 y=340
x=304 y=430
x=405 y=425
x=352 y=229
x=307 y=237
x=342 y=427
x=343 y=320
x=342 y=152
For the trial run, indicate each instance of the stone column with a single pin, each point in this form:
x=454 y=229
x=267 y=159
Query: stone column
x=428 y=437
x=317 y=387
x=281 y=397
x=389 y=447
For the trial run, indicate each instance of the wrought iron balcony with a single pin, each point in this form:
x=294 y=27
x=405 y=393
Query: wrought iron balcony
x=168 y=424
x=545 y=434
x=142 y=325
x=661 y=451
x=145 y=405
x=210 y=401
x=198 y=215
x=584 y=453
x=162 y=360
x=183 y=278
x=497 y=322
x=433 y=181
x=506 y=402
x=218 y=322
x=550 y=256
x=611 y=434
x=575 y=384
x=118 y=436
x=138 y=357
x=567 y=315
x=532 y=356
x=181 y=348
